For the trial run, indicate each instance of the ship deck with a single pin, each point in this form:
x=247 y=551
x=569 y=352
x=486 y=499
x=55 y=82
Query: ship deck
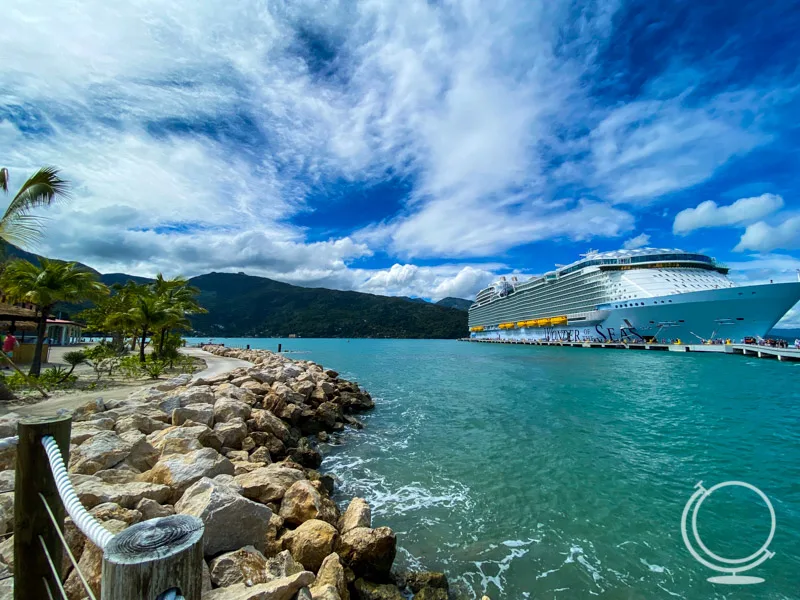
x=781 y=354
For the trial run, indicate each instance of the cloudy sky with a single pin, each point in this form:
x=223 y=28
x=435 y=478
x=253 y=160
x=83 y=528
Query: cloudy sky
x=413 y=147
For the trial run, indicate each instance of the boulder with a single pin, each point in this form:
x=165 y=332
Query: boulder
x=86 y=430
x=260 y=455
x=263 y=420
x=272 y=543
x=101 y=451
x=270 y=442
x=358 y=514
x=368 y=552
x=122 y=473
x=324 y=592
x=6 y=513
x=8 y=424
x=90 y=564
x=282 y=565
x=331 y=573
x=242 y=467
x=331 y=373
x=143 y=455
x=227 y=409
x=230 y=520
x=305 y=455
x=150 y=509
x=264 y=376
x=228 y=390
x=234 y=455
x=304 y=388
x=279 y=589
x=193 y=395
x=246 y=565
x=417 y=580
x=268 y=484
x=179 y=471
x=231 y=433
x=431 y=593
x=138 y=422
x=199 y=413
x=108 y=511
x=198 y=433
x=327 y=388
x=328 y=413
x=257 y=388
x=367 y=590
x=302 y=502
x=311 y=542
x=85 y=411
x=241 y=380
x=175 y=382
x=94 y=491
x=7 y=481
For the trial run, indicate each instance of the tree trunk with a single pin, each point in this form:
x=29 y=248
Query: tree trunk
x=41 y=330
x=141 y=346
x=161 y=341
x=118 y=340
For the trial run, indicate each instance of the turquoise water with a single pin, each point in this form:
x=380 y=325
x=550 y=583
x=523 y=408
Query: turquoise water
x=528 y=472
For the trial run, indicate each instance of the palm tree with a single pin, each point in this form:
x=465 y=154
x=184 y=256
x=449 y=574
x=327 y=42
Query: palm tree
x=151 y=313
x=178 y=295
x=44 y=285
x=17 y=225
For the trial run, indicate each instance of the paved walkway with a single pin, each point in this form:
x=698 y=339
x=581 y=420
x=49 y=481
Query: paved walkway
x=214 y=366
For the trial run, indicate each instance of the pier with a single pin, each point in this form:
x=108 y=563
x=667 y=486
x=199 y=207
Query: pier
x=781 y=354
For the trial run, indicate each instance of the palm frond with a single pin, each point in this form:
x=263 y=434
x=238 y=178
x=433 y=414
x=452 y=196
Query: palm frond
x=17 y=225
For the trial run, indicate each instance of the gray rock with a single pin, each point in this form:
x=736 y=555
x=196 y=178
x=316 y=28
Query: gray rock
x=199 y=413
x=227 y=409
x=268 y=484
x=280 y=589
x=231 y=433
x=246 y=565
x=101 y=451
x=179 y=471
x=230 y=520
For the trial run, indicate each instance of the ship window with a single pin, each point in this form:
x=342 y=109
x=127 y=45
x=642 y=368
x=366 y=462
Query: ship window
x=740 y=318
x=670 y=301
x=681 y=321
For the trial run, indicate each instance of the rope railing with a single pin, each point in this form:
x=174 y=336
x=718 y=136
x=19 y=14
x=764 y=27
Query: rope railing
x=91 y=528
x=158 y=558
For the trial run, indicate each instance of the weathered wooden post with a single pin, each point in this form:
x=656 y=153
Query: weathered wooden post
x=32 y=524
x=153 y=557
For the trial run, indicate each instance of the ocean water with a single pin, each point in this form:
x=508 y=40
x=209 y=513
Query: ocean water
x=529 y=472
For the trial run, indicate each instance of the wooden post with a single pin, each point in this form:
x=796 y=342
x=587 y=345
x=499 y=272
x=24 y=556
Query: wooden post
x=154 y=556
x=34 y=477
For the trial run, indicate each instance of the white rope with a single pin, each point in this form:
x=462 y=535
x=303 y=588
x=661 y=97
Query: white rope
x=99 y=535
x=8 y=442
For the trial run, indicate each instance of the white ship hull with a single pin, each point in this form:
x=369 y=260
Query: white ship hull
x=729 y=313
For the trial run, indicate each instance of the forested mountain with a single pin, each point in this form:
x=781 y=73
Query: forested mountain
x=458 y=303
x=243 y=305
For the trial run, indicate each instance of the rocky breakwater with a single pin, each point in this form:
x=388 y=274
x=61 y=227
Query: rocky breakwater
x=238 y=451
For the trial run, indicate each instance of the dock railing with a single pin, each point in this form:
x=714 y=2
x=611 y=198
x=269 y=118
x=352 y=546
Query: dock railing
x=158 y=559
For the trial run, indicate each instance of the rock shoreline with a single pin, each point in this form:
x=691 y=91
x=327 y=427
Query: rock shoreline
x=238 y=451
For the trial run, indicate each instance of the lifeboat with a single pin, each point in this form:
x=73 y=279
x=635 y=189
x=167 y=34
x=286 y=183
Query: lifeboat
x=542 y=322
x=522 y=323
x=559 y=320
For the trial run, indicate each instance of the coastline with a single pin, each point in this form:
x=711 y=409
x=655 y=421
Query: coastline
x=231 y=448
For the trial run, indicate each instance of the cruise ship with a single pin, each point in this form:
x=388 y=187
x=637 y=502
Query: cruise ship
x=631 y=295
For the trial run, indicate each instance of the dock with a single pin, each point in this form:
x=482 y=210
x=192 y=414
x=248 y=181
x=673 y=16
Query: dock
x=781 y=354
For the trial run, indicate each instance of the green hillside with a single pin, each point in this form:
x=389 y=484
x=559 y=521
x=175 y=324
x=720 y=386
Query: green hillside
x=458 y=303
x=242 y=305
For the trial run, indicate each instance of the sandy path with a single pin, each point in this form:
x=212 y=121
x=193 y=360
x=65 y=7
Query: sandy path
x=214 y=366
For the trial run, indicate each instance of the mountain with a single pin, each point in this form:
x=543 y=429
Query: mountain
x=244 y=305
x=458 y=303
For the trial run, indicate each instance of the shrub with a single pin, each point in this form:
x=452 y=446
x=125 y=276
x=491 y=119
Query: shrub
x=154 y=368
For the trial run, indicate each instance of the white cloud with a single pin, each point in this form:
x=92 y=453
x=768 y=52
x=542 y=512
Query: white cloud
x=650 y=147
x=197 y=132
x=742 y=212
x=763 y=237
x=640 y=241
x=766 y=268
x=429 y=282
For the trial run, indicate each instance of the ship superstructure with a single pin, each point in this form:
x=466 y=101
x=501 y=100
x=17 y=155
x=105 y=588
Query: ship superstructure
x=642 y=293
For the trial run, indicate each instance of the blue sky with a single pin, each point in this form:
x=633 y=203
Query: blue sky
x=411 y=148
